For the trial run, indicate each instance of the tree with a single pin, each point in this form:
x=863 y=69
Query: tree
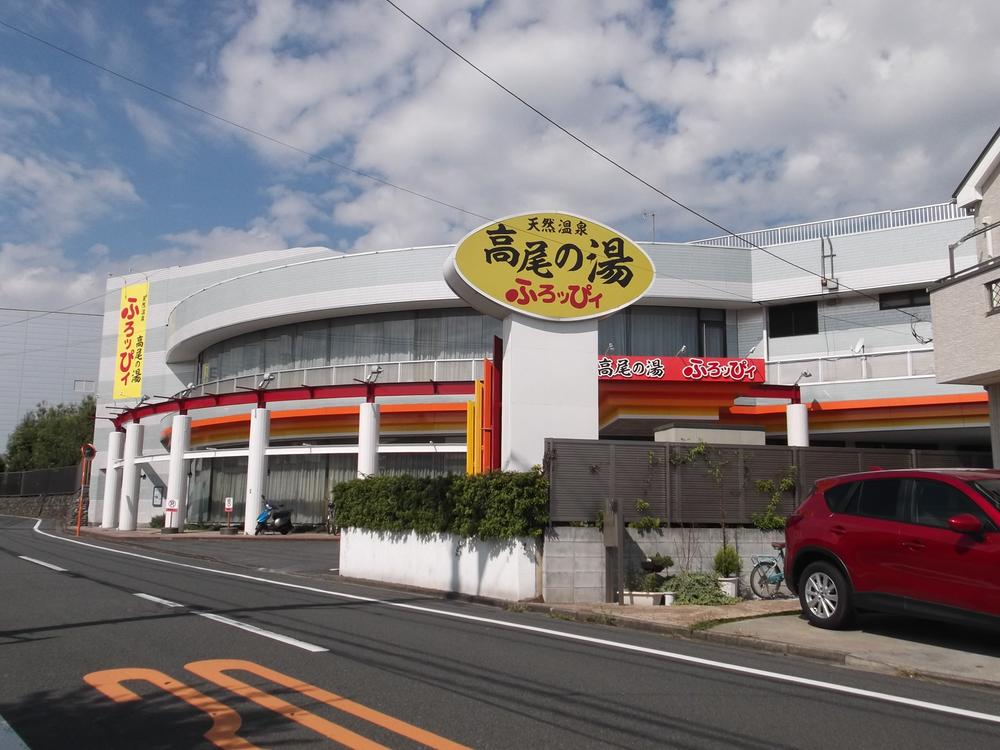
x=51 y=436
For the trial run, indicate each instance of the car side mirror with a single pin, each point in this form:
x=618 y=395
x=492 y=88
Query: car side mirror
x=965 y=523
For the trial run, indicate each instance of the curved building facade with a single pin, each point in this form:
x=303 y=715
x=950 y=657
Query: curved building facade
x=308 y=319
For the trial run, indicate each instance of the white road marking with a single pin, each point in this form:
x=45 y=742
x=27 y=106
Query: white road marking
x=671 y=655
x=158 y=600
x=50 y=566
x=266 y=633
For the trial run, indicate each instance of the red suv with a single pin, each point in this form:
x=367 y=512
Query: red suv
x=922 y=542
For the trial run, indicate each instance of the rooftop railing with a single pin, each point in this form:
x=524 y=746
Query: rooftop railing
x=438 y=370
x=823 y=368
x=849 y=367
x=856 y=224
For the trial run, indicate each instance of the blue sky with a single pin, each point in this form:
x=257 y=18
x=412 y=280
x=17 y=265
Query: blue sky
x=755 y=113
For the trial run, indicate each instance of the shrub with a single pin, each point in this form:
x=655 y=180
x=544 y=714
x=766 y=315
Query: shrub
x=727 y=561
x=497 y=505
x=394 y=503
x=697 y=588
x=156 y=522
x=645 y=522
x=769 y=520
x=500 y=504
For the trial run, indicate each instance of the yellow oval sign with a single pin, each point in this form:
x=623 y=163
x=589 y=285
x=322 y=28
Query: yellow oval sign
x=550 y=265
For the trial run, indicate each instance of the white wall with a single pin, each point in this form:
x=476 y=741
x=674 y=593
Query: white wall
x=442 y=562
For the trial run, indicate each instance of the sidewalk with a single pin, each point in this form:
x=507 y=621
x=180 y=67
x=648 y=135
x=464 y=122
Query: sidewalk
x=154 y=535
x=890 y=645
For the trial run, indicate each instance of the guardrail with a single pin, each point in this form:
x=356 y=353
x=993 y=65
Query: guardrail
x=412 y=371
x=813 y=230
x=902 y=363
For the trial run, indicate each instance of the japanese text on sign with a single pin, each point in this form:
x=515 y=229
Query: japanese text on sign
x=131 y=341
x=681 y=369
x=554 y=265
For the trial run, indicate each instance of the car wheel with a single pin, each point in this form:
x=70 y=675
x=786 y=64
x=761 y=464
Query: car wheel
x=826 y=596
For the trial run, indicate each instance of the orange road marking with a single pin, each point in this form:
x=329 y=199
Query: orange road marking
x=225 y=721
x=213 y=670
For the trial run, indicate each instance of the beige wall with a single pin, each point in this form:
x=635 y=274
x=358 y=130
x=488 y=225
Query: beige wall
x=988 y=212
x=966 y=337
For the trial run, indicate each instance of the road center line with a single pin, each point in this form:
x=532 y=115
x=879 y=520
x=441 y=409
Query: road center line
x=671 y=655
x=266 y=633
x=44 y=564
x=158 y=600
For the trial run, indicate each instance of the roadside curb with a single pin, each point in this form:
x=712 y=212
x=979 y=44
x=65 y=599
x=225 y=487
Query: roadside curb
x=703 y=632
x=156 y=535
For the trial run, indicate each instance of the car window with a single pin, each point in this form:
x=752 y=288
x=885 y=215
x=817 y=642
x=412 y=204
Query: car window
x=839 y=498
x=935 y=502
x=878 y=498
x=988 y=488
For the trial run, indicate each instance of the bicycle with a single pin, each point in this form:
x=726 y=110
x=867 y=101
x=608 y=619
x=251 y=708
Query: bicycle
x=768 y=572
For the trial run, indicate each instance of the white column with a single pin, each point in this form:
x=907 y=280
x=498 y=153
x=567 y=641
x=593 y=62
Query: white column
x=128 y=507
x=369 y=421
x=177 y=479
x=797 y=419
x=993 y=392
x=260 y=435
x=549 y=386
x=112 y=480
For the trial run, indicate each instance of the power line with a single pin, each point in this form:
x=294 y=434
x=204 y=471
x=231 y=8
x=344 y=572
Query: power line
x=617 y=164
x=232 y=123
x=418 y=194
x=54 y=312
x=51 y=312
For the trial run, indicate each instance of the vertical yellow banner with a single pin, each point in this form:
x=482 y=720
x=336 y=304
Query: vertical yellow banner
x=131 y=341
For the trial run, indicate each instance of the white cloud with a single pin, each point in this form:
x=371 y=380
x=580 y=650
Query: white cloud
x=158 y=134
x=40 y=277
x=54 y=199
x=827 y=106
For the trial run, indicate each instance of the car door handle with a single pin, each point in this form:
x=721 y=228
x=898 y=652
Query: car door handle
x=915 y=545
x=838 y=530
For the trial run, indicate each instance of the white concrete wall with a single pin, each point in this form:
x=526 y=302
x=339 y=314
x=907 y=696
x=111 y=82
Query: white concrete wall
x=442 y=562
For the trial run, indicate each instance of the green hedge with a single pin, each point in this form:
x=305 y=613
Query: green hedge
x=498 y=505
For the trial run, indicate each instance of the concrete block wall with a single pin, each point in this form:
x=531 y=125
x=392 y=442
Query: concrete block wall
x=573 y=564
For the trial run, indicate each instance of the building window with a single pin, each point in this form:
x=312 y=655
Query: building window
x=906 y=298
x=83 y=386
x=994 y=291
x=799 y=319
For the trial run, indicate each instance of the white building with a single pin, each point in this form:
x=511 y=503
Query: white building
x=838 y=306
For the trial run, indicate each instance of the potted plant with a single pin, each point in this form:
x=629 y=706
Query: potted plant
x=728 y=566
x=657 y=563
x=668 y=588
x=642 y=590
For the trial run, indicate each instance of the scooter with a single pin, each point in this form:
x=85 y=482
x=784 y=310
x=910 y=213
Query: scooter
x=274 y=518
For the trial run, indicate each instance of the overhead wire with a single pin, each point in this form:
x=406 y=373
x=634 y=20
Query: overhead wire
x=424 y=196
x=233 y=123
x=620 y=166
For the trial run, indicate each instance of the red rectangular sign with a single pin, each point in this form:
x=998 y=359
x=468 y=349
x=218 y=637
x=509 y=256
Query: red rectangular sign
x=681 y=369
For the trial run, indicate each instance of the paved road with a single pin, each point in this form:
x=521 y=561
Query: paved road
x=87 y=663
